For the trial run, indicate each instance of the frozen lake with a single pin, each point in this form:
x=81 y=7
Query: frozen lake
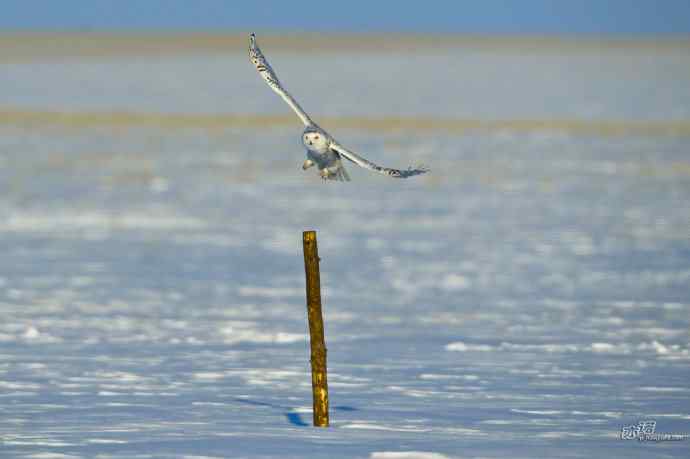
x=530 y=297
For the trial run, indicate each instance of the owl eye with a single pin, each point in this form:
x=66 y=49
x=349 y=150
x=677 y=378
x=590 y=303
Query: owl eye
x=316 y=136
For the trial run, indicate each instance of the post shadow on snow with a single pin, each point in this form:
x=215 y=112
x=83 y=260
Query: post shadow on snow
x=290 y=413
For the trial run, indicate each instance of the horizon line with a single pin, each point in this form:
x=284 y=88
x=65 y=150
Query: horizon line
x=22 y=45
x=26 y=117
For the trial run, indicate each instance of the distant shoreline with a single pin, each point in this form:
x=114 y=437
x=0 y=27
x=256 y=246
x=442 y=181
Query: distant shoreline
x=92 y=119
x=20 y=45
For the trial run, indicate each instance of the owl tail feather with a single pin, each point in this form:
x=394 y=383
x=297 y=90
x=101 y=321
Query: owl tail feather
x=342 y=174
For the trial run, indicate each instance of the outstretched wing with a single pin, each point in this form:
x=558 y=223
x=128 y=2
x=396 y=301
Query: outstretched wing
x=269 y=75
x=365 y=163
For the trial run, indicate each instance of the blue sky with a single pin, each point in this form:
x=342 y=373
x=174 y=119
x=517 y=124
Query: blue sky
x=589 y=17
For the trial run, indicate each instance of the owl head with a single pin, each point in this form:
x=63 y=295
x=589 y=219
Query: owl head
x=315 y=139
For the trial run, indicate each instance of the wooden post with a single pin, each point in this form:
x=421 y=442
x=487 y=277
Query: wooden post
x=319 y=383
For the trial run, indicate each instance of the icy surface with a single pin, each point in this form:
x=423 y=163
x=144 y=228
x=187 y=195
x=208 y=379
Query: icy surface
x=528 y=298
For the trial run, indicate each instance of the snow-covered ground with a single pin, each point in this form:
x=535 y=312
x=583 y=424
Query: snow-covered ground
x=528 y=298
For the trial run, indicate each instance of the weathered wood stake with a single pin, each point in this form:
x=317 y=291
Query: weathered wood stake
x=319 y=383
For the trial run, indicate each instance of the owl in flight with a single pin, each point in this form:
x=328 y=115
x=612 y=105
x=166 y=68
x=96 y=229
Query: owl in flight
x=323 y=150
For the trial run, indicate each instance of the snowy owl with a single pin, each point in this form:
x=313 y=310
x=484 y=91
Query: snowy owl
x=323 y=150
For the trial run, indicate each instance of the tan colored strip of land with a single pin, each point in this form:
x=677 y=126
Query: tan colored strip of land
x=85 y=120
x=35 y=45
